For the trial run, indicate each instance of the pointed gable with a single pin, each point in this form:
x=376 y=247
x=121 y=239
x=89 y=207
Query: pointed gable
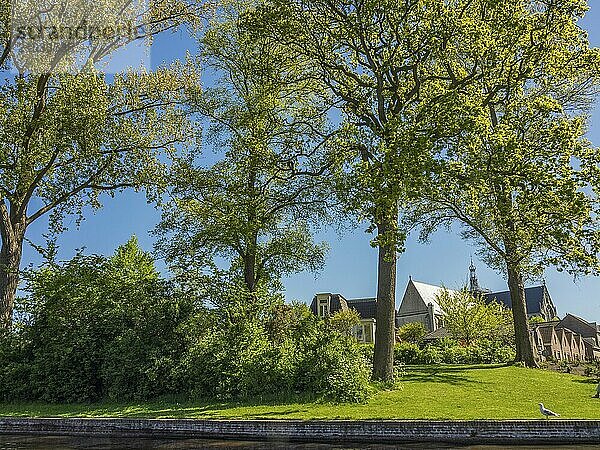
x=548 y=334
x=418 y=296
x=580 y=326
x=565 y=342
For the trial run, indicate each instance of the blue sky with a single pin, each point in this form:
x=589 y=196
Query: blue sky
x=351 y=267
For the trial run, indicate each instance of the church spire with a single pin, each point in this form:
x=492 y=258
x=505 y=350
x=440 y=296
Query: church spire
x=473 y=282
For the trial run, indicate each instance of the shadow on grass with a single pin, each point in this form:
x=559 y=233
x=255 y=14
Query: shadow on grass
x=585 y=381
x=276 y=413
x=434 y=377
x=451 y=374
x=453 y=367
x=166 y=408
x=189 y=410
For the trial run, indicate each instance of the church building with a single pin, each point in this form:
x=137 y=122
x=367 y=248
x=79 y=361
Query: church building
x=571 y=338
x=419 y=303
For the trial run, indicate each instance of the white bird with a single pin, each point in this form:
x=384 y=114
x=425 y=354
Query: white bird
x=547 y=412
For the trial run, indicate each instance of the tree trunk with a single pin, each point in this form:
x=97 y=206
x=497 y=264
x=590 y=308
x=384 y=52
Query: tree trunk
x=10 y=263
x=524 y=346
x=383 y=358
x=250 y=267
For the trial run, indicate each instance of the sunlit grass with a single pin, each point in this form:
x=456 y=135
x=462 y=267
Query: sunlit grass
x=426 y=392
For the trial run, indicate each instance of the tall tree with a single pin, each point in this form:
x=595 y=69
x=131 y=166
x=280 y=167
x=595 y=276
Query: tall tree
x=521 y=178
x=67 y=134
x=254 y=206
x=388 y=64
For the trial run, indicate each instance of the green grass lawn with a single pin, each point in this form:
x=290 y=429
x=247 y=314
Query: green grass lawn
x=425 y=392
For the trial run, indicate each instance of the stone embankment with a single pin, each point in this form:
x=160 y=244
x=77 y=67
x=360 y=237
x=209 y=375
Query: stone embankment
x=367 y=431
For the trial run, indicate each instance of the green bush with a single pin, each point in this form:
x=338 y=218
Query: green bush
x=14 y=371
x=407 y=353
x=592 y=369
x=449 y=351
x=413 y=332
x=431 y=355
x=96 y=328
x=245 y=360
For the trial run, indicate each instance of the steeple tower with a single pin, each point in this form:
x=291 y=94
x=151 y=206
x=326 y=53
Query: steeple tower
x=473 y=282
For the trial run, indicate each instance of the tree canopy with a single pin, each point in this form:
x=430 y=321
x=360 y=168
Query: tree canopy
x=255 y=206
x=69 y=133
x=521 y=179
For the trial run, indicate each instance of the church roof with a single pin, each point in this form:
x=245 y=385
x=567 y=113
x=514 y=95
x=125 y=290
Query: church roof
x=592 y=325
x=533 y=298
x=429 y=294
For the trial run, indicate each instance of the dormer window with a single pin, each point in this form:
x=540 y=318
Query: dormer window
x=323 y=308
x=323 y=305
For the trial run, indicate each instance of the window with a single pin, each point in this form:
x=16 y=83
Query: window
x=360 y=333
x=323 y=307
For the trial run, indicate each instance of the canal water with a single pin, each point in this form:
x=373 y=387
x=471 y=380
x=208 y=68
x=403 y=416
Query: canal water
x=19 y=442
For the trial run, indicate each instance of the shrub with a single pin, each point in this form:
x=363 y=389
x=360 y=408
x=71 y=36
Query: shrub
x=449 y=351
x=430 y=355
x=412 y=332
x=592 y=369
x=14 y=371
x=407 y=353
x=109 y=328
x=244 y=360
x=97 y=328
x=337 y=368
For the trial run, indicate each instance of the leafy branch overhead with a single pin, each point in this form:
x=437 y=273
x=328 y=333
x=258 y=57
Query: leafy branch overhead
x=69 y=133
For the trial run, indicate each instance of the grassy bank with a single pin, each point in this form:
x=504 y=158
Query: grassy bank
x=442 y=392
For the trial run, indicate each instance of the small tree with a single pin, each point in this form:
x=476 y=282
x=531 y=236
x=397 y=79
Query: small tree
x=469 y=318
x=344 y=321
x=412 y=332
x=535 y=320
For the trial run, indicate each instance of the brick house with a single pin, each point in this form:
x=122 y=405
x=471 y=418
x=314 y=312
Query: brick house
x=550 y=344
x=591 y=350
x=589 y=331
x=581 y=326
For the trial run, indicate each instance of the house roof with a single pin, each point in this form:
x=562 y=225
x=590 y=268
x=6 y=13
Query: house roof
x=338 y=303
x=591 y=325
x=437 y=334
x=533 y=298
x=546 y=332
x=366 y=307
x=429 y=294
